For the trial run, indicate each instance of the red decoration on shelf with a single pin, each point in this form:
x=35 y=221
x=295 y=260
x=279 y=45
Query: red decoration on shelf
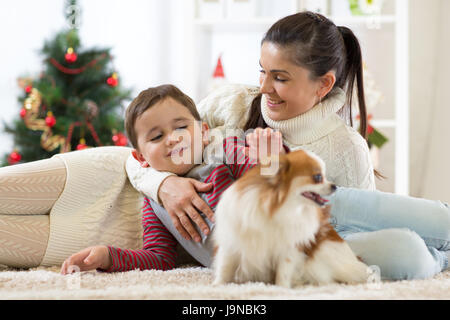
x=28 y=88
x=82 y=145
x=23 y=113
x=218 y=72
x=14 y=157
x=71 y=56
x=120 y=139
x=113 y=80
x=50 y=120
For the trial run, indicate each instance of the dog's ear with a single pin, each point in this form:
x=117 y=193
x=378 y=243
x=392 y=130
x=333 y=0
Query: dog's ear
x=275 y=168
x=278 y=180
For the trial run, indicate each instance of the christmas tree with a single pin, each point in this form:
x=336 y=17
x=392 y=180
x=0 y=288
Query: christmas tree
x=75 y=103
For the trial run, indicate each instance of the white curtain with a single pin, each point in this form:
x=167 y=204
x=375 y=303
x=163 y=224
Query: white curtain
x=436 y=173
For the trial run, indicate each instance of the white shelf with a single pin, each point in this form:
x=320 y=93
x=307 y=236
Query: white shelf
x=262 y=23
x=231 y=25
x=382 y=19
x=229 y=22
x=384 y=123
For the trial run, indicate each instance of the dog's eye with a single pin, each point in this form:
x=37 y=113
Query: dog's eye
x=318 y=178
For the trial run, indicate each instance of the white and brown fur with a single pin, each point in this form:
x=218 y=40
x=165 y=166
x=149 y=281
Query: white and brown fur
x=274 y=229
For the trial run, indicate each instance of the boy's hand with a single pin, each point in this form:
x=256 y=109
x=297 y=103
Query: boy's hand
x=264 y=142
x=88 y=259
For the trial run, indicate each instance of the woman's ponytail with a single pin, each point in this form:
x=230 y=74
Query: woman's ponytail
x=353 y=70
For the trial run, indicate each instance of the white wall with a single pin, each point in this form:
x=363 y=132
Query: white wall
x=424 y=30
x=144 y=36
x=149 y=48
x=429 y=96
x=23 y=27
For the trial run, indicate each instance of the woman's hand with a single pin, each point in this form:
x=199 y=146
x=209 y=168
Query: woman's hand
x=264 y=142
x=88 y=259
x=179 y=197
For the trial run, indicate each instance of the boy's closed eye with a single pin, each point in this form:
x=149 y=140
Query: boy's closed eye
x=159 y=136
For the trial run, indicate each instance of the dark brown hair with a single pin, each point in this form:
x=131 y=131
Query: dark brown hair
x=149 y=98
x=317 y=44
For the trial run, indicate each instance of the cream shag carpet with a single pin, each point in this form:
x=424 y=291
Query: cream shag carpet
x=191 y=282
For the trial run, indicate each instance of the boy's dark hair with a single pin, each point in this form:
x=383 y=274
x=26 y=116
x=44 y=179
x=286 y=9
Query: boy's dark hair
x=149 y=98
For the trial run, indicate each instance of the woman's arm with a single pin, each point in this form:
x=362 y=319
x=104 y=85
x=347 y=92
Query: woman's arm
x=362 y=175
x=351 y=162
x=227 y=107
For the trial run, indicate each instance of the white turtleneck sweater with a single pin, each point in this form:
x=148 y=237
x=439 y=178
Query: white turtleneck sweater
x=320 y=130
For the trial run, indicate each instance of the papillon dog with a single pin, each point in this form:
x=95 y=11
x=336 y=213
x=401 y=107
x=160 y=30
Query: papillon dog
x=274 y=228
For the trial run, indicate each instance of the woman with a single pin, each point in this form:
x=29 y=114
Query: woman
x=307 y=65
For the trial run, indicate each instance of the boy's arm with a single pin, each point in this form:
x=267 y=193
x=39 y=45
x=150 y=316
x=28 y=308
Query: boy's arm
x=159 y=251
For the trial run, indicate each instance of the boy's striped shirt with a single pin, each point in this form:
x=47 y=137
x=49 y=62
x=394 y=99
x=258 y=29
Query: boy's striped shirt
x=159 y=251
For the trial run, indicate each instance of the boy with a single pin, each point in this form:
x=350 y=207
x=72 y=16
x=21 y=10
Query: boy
x=166 y=131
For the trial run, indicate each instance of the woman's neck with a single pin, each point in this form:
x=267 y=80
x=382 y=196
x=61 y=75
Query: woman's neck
x=311 y=125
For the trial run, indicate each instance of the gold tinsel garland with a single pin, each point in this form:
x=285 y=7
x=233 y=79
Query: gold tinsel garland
x=49 y=141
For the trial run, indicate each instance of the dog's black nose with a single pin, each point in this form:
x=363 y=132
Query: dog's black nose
x=333 y=187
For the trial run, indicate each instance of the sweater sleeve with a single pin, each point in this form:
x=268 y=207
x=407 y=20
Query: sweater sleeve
x=227 y=106
x=145 y=180
x=159 y=250
x=352 y=162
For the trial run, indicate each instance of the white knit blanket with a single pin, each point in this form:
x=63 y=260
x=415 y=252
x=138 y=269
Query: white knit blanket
x=195 y=283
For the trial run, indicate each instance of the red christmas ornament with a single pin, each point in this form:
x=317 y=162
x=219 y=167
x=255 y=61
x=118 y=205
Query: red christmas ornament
x=120 y=139
x=82 y=145
x=28 y=88
x=50 y=120
x=23 y=113
x=113 y=80
x=14 y=157
x=71 y=56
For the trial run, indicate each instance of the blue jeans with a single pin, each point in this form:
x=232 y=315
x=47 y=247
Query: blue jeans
x=406 y=237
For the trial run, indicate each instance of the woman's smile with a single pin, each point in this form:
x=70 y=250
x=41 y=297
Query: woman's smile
x=274 y=103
